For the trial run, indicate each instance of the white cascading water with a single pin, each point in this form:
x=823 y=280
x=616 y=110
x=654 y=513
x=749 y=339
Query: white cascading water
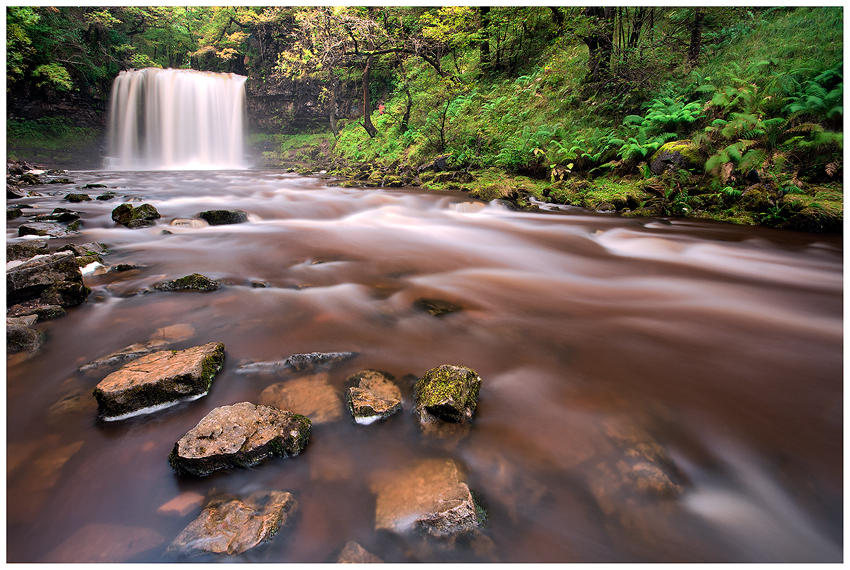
x=177 y=119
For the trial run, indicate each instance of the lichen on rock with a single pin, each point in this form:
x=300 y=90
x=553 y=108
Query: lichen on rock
x=447 y=393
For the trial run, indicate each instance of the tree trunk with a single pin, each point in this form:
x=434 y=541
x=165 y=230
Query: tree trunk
x=367 y=113
x=600 y=42
x=696 y=37
x=484 y=45
x=332 y=113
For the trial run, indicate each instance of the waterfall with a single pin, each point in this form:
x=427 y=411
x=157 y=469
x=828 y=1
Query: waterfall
x=176 y=119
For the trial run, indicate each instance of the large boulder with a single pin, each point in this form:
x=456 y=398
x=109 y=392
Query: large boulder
x=135 y=217
x=240 y=435
x=375 y=396
x=428 y=498
x=53 y=279
x=223 y=217
x=230 y=525
x=447 y=393
x=676 y=155
x=159 y=379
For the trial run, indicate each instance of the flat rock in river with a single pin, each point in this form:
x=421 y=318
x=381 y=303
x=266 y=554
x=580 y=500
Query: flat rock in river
x=240 y=435
x=428 y=498
x=299 y=362
x=159 y=379
x=375 y=397
x=53 y=279
x=230 y=525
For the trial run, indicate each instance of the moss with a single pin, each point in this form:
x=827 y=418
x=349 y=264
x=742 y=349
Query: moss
x=448 y=392
x=194 y=282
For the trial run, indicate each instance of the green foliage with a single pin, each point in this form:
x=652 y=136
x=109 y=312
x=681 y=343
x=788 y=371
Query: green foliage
x=53 y=75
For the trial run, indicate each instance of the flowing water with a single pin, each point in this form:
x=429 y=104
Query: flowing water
x=176 y=119
x=722 y=344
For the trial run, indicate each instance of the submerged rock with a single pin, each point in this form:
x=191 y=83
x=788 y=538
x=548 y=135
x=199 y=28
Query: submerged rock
x=240 y=435
x=353 y=553
x=436 y=307
x=135 y=217
x=299 y=362
x=78 y=197
x=230 y=525
x=429 y=498
x=223 y=217
x=447 y=393
x=188 y=223
x=58 y=215
x=194 y=282
x=310 y=396
x=375 y=397
x=53 y=279
x=159 y=379
x=105 y=543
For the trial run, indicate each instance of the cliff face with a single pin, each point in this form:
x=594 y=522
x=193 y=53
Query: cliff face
x=288 y=106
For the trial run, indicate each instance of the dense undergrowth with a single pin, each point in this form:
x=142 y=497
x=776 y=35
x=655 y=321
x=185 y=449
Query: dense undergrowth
x=753 y=134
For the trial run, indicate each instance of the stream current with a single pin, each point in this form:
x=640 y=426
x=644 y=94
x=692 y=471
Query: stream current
x=720 y=343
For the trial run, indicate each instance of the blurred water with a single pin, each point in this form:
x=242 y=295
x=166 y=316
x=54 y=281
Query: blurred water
x=723 y=343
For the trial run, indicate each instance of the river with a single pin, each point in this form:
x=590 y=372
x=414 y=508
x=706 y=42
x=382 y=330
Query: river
x=720 y=343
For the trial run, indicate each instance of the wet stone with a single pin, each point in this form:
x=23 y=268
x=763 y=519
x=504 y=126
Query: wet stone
x=240 y=435
x=135 y=217
x=21 y=338
x=188 y=223
x=310 y=396
x=223 y=217
x=159 y=379
x=429 y=498
x=48 y=229
x=447 y=393
x=353 y=553
x=375 y=396
x=194 y=282
x=436 y=307
x=26 y=250
x=78 y=198
x=309 y=362
x=52 y=279
x=230 y=525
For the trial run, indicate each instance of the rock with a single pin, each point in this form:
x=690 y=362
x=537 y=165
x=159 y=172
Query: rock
x=240 y=435
x=194 y=282
x=14 y=212
x=21 y=338
x=26 y=250
x=135 y=217
x=78 y=198
x=52 y=280
x=353 y=553
x=758 y=197
x=188 y=223
x=310 y=396
x=223 y=217
x=30 y=178
x=229 y=525
x=25 y=321
x=300 y=362
x=447 y=393
x=159 y=379
x=13 y=192
x=60 y=181
x=49 y=229
x=606 y=207
x=131 y=352
x=436 y=307
x=182 y=504
x=439 y=164
x=105 y=543
x=43 y=311
x=58 y=215
x=93 y=185
x=675 y=155
x=375 y=397
x=106 y=196
x=428 y=498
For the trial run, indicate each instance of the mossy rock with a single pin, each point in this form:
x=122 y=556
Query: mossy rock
x=78 y=198
x=193 y=282
x=676 y=155
x=447 y=393
x=135 y=217
x=12 y=213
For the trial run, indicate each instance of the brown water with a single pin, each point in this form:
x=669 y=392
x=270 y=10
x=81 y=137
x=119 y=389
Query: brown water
x=722 y=343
